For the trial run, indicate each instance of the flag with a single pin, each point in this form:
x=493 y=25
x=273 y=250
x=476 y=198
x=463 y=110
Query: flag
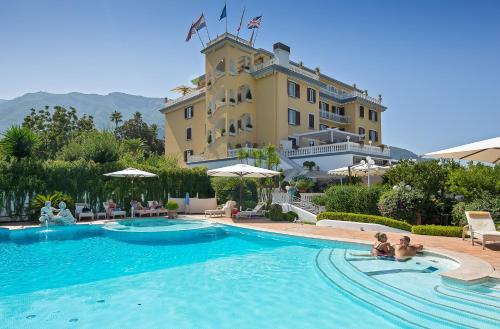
x=192 y=30
x=223 y=14
x=241 y=20
x=254 y=23
x=200 y=23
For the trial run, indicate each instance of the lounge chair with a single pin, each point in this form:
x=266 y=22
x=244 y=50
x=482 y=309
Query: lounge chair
x=157 y=211
x=249 y=213
x=114 y=213
x=480 y=226
x=79 y=214
x=221 y=210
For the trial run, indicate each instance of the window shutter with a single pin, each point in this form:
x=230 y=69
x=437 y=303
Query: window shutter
x=297 y=116
x=297 y=90
x=192 y=111
x=311 y=121
x=376 y=116
x=188 y=133
x=314 y=95
x=327 y=107
x=185 y=113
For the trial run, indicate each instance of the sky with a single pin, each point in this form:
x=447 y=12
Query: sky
x=436 y=62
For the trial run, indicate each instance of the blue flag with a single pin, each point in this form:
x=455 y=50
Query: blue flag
x=223 y=14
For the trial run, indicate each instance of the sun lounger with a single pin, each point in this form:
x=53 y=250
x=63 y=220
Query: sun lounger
x=156 y=211
x=79 y=214
x=249 y=213
x=480 y=226
x=115 y=213
x=221 y=211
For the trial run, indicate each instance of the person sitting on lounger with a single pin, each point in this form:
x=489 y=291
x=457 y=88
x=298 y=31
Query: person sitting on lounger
x=382 y=248
x=404 y=250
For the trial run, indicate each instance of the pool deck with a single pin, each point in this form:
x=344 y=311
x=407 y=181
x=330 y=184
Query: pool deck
x=475 y=263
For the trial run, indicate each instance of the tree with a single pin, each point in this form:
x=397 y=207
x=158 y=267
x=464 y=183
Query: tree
x=55 y=129
x=137 y=128
x=18 y=142
x=97 y=146
x=116 y=117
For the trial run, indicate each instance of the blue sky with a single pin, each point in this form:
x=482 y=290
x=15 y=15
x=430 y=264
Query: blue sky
x=436 y=63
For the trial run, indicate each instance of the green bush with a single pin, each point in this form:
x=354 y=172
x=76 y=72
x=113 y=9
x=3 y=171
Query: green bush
x=291 y=216
x=350 y=217
x=353 y=199
x=401 y=202
x=475 y=180
x=309 y=164
x=304 y=185
x=97 y=146
x=437 y=230
x=275 y=212
x=486 y=202
x=229 y=189
x=172 y=205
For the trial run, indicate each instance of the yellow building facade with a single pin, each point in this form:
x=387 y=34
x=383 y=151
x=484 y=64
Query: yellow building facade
x=252 y=97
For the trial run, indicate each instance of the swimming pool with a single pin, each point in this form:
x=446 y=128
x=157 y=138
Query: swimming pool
x=79 y=277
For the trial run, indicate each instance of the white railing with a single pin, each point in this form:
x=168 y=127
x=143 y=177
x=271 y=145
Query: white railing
x=233 y=153
x=337 y=148
x=196 y=158
x=299 y=70
x=334 y=117
x=346 y=95
x=230 y=36
x=192 y=94
x=260 y=66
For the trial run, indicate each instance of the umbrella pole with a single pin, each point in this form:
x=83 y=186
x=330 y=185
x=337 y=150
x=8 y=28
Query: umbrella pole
x=241 y=191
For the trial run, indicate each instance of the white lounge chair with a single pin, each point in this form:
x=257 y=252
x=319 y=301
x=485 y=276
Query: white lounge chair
x=221 y=211
x=81 y=215
x=158 y=211
x=114 y=213
x=249 y=213
x=480 y=226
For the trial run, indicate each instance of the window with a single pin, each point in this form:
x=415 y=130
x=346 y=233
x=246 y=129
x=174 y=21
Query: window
x=187 y=153
x=293 y=89
x=323 y=127
x=188 y=134
x=311 y=121
x=373 y=135
x=324 y=106
x=293 y=117
x=340 y=111
x=311 y=95
x=361 y=131
x=342 y=129
x=188 y=112
x=373 y=115
x=361 y=111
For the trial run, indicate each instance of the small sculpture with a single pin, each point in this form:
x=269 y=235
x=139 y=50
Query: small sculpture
x=64 y=217
x=47 y=212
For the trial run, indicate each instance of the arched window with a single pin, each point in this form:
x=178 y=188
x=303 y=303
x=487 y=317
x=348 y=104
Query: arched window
x=220 y=68
x=244 y=94
x=232 y=67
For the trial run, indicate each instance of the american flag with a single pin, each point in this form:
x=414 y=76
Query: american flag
x=255 y=22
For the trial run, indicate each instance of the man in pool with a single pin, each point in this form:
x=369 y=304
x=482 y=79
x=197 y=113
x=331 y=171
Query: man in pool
x=404 y=250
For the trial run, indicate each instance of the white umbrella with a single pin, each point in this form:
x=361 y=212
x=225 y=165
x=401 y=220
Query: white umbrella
x=486 y=151
x=365 y=168
x=242 y=171
x=131 y=173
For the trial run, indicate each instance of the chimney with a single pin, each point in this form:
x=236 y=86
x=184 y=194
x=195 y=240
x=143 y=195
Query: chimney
x=281 y=54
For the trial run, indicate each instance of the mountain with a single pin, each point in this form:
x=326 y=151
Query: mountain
x=99 y=106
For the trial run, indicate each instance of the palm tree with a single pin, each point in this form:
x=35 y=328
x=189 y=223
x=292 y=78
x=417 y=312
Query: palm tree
x=18 y=142
x=116 y=117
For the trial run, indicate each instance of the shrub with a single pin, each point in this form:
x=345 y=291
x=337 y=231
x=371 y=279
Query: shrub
x=18 y=142
x=172 y=205
x=353 y=199
x=39 y=201
x=437 y=230
x=401 y=202
x=350 y=217
x=291 y=216
x=97 y=146
x=304 y=185
x=474 y=180
x=275 y=212
x=486 y=202
x=309 y=164
x=229 y=189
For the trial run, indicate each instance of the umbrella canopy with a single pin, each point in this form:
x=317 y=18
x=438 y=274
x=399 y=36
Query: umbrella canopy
x=242 y=170
x=486 y=151
x=358 y=170
x=131 y=173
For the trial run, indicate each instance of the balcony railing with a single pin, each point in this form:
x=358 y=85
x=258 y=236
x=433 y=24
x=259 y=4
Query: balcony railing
x=346 y=95
x=192 y=94
x=233 y=153
x=337 y=148
x=334 y=117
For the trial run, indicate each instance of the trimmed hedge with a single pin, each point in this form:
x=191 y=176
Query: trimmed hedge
x=350 y=217
x=437 y=230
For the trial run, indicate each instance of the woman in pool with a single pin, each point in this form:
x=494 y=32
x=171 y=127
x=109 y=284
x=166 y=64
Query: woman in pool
x=382 y=248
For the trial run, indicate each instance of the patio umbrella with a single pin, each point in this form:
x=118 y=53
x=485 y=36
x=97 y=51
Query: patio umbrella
x=132 y=174
x=242 y=170
x=359 y=170
x=486 y=151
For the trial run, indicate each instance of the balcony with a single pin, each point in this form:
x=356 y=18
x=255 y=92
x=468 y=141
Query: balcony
x=343 y=119
x=194 y=93
x=337 y=148
x=347 y=95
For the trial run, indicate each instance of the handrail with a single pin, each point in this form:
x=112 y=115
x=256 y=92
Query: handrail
x=334 y=117
x=192 y=94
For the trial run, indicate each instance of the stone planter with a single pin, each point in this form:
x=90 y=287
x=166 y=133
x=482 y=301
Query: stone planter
x=172 y=214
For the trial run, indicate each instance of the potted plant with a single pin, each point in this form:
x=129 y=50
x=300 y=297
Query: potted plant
x=223 y=132
x=172 y=207
x=249 y=126
x=232 y=101
x=232 y=129
x=249 y=95
x=209 y=139
x=303 y=185
x=309 y=165
x=209 y=112
x=223 y=100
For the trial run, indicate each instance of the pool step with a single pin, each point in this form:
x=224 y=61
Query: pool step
x=442 y=310
x=484 y=301
x=400 y=314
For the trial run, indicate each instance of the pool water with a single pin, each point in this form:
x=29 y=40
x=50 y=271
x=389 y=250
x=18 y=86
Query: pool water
x=79 y=277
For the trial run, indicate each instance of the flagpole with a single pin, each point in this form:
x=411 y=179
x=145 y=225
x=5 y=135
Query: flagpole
x=199 y=38
x=241 y=21
x=206 y=28
x=225 y=6
x=256 y=34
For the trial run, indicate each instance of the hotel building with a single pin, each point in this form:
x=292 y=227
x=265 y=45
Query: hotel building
x=251 y=97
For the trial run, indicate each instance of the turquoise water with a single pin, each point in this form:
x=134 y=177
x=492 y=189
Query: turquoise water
x=223 y=277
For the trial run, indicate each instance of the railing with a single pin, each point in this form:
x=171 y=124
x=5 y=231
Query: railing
x=304 y=201
x=230 y=36
x=196 y=158
x=192 y=94
x=346 y=95
x=337 y=148
x=263 y=65
x=299 y=70
x=233 y=153
x=334 y=117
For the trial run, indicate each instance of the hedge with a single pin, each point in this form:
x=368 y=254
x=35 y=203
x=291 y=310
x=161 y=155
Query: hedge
x=437 y=230
x=350 y=217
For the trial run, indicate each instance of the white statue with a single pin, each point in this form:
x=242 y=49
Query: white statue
x=64 y=217
x=47 y=212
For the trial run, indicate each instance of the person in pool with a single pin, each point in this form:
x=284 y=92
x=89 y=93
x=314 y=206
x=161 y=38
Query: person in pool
x=382 y=248
x=404 y=250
